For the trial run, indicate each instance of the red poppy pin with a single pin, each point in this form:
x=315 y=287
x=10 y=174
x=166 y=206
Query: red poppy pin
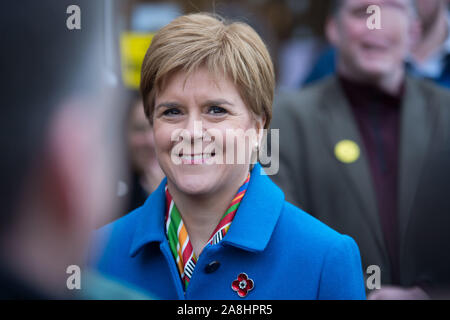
x=242 y=285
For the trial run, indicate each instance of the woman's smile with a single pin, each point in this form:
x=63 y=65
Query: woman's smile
x=196 y=159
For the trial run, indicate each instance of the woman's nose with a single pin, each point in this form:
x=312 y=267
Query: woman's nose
x=194 y=127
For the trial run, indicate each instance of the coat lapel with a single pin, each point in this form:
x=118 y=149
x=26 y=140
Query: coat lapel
x=336 y=127
x=257 y=214
x=416 y=129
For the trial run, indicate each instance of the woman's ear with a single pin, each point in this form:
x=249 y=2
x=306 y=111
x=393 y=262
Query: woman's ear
x=260 y=122
x=260 y=125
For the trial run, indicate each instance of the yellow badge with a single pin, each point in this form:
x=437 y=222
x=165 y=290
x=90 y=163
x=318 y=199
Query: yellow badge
x=347 y=151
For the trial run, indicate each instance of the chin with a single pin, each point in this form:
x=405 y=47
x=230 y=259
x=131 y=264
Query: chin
x=376 y=68
x=374 y=71
x=195 y=183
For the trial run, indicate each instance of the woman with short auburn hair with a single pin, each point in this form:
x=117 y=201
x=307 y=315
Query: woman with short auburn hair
x=218 y=229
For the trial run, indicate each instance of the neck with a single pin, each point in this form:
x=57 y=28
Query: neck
x=202 y=213
x=390 y=83
x=433 y=36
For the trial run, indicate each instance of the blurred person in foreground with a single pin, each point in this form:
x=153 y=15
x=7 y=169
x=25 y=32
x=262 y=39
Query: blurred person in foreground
x=429 y=56
x=217 y=229
x=146 y=175
x=58 y=162
x=355 y=147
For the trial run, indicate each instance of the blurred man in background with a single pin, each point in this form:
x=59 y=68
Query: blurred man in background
x=59 y=162
x=355 y=147
x=430 y=53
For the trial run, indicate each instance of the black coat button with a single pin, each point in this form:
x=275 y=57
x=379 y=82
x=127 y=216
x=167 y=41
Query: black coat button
x=212 y=266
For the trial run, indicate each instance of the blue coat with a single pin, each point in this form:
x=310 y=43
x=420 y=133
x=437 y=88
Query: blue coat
x=286 y=252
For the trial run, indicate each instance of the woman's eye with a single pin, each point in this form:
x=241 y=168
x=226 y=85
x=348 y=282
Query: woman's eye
x=216 y=110
x=171 y=112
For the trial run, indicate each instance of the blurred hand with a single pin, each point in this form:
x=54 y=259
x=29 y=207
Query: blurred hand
x=398 y=293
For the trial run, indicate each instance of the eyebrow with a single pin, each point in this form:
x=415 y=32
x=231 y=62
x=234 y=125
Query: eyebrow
x=171 y=104
x=168 y=105
x=218 y=102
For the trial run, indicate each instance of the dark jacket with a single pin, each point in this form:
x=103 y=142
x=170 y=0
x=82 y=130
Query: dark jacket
x=313 y=121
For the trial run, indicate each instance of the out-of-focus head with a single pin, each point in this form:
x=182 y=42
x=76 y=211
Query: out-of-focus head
x=200 y=69
x=372 y=53
x=59 y=162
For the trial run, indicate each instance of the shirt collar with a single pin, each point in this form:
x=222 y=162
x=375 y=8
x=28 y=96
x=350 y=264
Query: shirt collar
x=252 y=226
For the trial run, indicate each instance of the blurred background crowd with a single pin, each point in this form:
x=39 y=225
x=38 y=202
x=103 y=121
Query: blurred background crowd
x=78 y=150
x=296 y=36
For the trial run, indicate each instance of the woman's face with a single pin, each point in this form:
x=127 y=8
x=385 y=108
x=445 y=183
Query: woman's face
x=196 y=121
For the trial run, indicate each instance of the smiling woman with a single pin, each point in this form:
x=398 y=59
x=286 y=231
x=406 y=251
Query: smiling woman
x=207 y=86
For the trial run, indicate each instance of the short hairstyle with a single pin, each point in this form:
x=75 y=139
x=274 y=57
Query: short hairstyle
x=202 y=39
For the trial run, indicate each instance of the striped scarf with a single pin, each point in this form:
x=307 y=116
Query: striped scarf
x=179 y=242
